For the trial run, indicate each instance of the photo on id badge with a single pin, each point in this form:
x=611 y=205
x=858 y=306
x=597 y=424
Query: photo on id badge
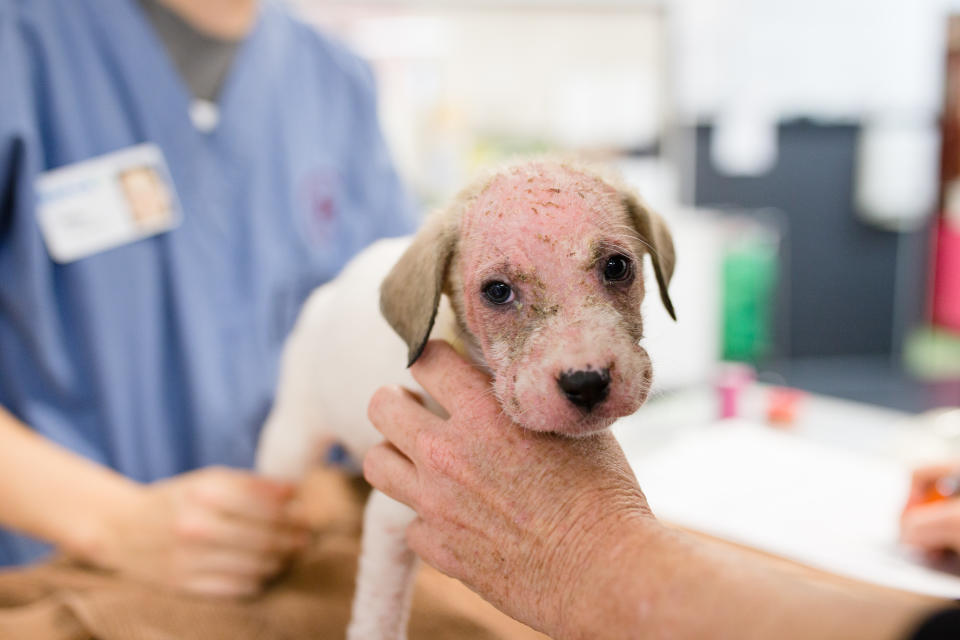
x=148 y=197
x=97 y=204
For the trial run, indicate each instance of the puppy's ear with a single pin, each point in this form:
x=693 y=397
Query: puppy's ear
x=410 y=294
x=659 y=243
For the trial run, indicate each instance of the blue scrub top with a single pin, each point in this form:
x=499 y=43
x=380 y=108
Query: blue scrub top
x=160 y=356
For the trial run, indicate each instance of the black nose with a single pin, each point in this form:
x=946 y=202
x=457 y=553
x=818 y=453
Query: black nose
x=586 y=389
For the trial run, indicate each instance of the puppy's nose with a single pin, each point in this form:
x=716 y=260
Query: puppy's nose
x=585 y=388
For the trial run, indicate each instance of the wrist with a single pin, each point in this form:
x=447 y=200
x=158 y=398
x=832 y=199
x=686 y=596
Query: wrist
x=91 y=531
x=604 y=589
x=647 y=582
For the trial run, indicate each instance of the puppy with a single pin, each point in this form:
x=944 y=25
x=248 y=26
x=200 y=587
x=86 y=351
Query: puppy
x=534 y=273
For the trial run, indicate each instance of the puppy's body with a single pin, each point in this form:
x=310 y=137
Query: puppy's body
x=340 y=351
x=541 y=265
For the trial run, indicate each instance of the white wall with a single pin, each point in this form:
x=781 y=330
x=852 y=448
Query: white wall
x=462 y=83
x=830 y=59
x=747 y=65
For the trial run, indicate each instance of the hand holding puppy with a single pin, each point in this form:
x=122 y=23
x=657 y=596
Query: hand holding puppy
x=555 y=531
x=478 y=481
x=215 y=531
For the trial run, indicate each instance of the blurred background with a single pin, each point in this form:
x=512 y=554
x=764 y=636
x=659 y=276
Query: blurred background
x=806 y=156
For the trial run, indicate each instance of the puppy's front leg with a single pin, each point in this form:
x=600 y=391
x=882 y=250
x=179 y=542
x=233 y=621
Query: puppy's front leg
x=381 y=604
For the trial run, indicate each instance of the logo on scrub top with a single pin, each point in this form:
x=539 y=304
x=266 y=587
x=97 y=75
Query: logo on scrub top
x=319 y=196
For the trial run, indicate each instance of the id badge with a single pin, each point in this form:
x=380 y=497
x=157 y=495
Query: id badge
x=105 y=202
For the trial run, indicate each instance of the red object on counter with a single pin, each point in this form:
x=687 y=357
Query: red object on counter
x=782 y=406
x=946 y=277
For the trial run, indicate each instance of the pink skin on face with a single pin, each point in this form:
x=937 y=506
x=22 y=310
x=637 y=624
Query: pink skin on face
x=548 y=232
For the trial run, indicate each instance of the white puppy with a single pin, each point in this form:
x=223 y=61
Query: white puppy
x=541 y=267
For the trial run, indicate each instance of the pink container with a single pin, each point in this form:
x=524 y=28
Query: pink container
x=946 y=283
x=732 y=381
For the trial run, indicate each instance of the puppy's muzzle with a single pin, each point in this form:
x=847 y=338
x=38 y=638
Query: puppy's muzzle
x=585 y=388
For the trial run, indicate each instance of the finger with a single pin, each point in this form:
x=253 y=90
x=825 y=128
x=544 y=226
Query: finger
x=445 y=375
x=399 y=417
x=420 y=540
x=245 y=495
x=392 y=473
x=923 y=477
x=266 y=487
x=222 y=586
x=424 y=541
x=934 y=526
x=218 y=561
x=210 y=527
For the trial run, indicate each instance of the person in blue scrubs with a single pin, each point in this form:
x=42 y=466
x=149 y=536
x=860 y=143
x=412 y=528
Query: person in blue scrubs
x=134 y=379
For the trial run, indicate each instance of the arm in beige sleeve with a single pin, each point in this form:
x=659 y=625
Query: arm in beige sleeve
x=53 y=494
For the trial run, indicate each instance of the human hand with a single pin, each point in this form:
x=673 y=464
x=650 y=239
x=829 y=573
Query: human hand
x=215 y=531
x=516 y=515
x=931 y=525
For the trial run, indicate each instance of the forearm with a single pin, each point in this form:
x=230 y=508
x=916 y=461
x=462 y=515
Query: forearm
x=654 y=582
x=53 y=494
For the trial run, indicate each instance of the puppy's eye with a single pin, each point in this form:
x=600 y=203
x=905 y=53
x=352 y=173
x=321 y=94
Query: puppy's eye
x=617 y=268
x=498 y=292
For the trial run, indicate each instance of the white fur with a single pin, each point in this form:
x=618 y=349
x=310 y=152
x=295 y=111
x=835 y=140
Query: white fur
x=340 y=351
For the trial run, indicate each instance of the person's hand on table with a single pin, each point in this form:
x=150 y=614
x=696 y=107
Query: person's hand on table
x=931 y=525
x=477 y=482
x=215 y=531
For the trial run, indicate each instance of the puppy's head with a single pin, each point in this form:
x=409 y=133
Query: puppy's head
x=543 y=264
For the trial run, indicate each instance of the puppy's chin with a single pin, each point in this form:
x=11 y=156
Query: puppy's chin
x=566 y=420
